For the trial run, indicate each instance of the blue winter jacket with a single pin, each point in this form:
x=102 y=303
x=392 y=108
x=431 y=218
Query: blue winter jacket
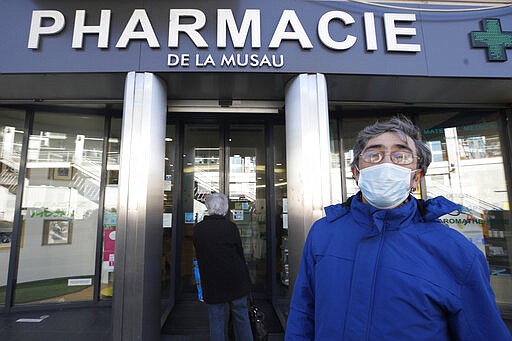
x=397 y=274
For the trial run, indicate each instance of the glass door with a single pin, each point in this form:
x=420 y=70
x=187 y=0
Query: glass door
x=230 y=160
x=201 y=175
x=246 y=190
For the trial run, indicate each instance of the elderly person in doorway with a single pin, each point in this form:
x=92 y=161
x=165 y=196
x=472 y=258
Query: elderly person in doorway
x=224 y=274
x=381 y=266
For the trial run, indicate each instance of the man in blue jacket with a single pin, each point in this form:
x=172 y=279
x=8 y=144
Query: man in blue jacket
x=381 y=266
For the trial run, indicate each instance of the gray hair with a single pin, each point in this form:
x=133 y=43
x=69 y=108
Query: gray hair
x=404 y=128
x=217 y=204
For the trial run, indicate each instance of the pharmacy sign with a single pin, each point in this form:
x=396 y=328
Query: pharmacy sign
x=493 y=39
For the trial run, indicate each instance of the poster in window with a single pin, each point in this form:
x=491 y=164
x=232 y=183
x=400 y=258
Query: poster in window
x=238 y=215
x=57 y=232
x=109 y=247
x=189 y=218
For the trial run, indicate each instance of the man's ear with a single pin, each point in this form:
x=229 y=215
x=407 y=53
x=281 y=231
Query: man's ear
x=419 y=175
x=355 y=173
x=415 y=180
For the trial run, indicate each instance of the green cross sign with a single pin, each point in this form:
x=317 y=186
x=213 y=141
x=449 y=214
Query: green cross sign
x=492 y=38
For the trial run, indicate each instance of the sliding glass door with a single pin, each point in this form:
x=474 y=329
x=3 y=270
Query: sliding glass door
x=229 y=159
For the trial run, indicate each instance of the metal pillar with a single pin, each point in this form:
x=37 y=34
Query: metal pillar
x=137 y=281
x=308 y=160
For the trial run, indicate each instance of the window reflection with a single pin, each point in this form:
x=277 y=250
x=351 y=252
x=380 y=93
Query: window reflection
x=60 y=209
x=468 y=168
x=201 y=176
x=336 y=186
x=281 y=202
x=11 y=138
x=247 y=193
x=110 y=210
x=169 y=178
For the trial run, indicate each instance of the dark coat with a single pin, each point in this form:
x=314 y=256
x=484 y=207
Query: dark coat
x=224 y=273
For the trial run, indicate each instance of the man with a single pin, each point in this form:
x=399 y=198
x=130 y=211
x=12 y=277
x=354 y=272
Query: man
x=224 y=275
x=382 y=267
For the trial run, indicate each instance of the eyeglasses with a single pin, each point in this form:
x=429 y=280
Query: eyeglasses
x=401 y=157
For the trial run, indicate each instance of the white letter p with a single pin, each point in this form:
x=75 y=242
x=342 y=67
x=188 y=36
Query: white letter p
x=36 y=28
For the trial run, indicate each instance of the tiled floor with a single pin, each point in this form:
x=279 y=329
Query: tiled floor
x=189 y=321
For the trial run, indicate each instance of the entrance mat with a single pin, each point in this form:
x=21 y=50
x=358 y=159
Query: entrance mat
x=191 y=318
x=187 y=318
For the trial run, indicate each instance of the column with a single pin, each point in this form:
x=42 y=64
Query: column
x=308 y=160
x=136 y=301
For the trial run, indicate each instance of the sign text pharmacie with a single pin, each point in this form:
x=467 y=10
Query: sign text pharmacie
x=187 y=24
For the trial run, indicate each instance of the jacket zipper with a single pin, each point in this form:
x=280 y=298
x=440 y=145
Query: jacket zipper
x=375 y=268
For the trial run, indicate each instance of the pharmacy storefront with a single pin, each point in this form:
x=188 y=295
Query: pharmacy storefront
x=116 y=120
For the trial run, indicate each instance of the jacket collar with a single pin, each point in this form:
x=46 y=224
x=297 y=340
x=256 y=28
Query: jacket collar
x=214 y=217
x=412 y=211
x=387 y=219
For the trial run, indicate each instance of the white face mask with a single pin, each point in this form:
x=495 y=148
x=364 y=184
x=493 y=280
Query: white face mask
x=385 y=185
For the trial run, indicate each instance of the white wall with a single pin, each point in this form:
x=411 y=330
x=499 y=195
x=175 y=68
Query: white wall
x=39 y=262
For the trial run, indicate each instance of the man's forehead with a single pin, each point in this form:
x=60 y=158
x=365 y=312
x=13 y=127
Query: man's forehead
x=389 y=140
